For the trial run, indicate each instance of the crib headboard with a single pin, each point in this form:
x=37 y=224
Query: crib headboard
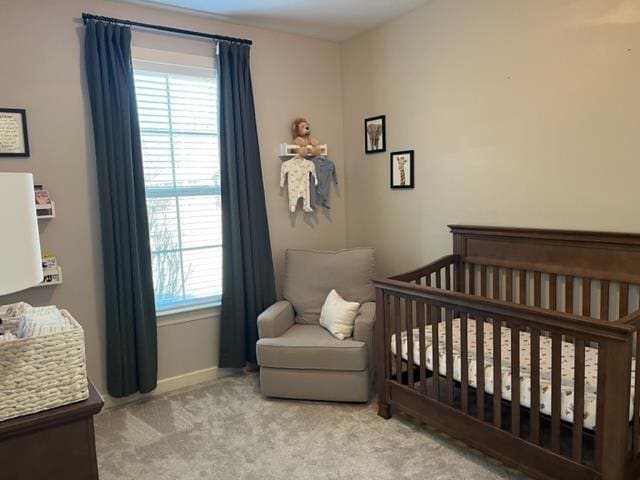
x=600 y=255
x=595 y=274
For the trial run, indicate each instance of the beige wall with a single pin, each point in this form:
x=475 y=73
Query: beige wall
x=522 y=113
x=42 y=71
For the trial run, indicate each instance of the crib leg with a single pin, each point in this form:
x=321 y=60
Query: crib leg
x=382 y=355
x=384 y=410
x=613 y=407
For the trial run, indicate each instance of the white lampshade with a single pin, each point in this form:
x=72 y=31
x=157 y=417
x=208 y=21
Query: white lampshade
x=20 y=258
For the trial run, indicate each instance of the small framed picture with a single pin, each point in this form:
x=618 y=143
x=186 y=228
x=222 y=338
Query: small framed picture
x=375 y=134
x=402 y=169
x=14 y=141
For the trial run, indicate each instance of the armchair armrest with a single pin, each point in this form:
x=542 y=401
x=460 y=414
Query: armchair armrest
x=275 y=320
x=363 y=329
x=363 y=326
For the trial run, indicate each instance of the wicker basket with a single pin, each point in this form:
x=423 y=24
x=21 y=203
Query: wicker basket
x=43 y=372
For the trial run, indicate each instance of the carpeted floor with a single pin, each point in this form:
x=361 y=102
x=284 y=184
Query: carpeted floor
x=227 y=430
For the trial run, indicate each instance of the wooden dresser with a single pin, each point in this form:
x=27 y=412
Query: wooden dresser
x=56 y=444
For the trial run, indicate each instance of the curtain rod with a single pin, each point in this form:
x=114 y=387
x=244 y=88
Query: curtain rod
x=220 y=38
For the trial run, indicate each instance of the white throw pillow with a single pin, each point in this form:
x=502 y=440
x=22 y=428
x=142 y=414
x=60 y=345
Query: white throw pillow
x=338 y=315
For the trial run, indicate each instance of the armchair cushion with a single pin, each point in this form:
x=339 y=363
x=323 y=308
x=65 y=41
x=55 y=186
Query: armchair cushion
x=311 y=274
x=275 y=320
x=311 y=347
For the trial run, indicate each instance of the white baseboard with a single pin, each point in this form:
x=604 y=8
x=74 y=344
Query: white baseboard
x=186 y=380
x=169 y=384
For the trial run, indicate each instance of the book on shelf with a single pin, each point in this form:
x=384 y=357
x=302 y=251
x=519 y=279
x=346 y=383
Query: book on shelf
x=42 y=195
x=49 y=261
x=44 y=205
x=50 y=270
x=51 y=275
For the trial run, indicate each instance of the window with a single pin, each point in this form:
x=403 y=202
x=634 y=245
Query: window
x=177 y=108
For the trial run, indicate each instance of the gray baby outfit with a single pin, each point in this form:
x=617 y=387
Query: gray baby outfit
x=325 y=172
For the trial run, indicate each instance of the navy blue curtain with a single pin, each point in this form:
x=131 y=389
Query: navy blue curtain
x=248 y=279
x=128 y=281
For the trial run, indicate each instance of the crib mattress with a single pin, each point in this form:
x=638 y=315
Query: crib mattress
x=567 y=381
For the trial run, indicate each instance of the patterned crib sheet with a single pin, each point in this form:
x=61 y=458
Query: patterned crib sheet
x=567 y=380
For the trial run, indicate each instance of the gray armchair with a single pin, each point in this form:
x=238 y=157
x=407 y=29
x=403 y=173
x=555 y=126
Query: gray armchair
x=300 y=359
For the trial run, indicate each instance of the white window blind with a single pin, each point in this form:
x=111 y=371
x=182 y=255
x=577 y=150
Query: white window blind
x=177 y=108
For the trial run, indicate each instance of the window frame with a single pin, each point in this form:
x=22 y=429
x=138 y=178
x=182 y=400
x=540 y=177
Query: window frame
x=172 y=63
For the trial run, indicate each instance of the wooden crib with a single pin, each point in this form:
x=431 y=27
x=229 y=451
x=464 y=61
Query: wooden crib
x=570 y=294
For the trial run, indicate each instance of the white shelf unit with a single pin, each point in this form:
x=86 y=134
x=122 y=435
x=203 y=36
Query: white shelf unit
x=48 y=207
x=54 y=274
x=289 y=150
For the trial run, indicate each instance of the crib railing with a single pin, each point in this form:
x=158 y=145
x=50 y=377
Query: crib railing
x=590 y=297
x=494 y=297
x=586 y=296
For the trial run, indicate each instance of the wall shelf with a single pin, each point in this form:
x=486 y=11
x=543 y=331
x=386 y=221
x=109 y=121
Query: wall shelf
x=51 y=271
x=54 y=274
x=48 y=211
x=289 y=150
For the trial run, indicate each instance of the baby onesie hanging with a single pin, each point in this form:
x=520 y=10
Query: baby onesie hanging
x=326 y=172
x=296 y=172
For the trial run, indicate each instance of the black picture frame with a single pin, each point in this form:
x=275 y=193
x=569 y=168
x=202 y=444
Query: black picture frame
x=392 y=158
x=380 y=119
x=25 y=136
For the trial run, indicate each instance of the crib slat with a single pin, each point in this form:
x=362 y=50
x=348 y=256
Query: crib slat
x=497 y=373
x=435 y=349
x=636 y=403
x=586 y=297
x=535 y=387
x=578 y=400
x=480 y=368
x=537 y=289
x=472 y=279
x=449 y=354
x=496 y=283
x=464 y=363
x=515 y=380
x=623 y=309
x=600 y=405
x=568 y=293
x=398 y=331
x=483 y=280
x=439 y=279
x=553 y=292
x=408 y=312
x=509 y=289
x=604 y=299
x=447 y=277
x=421 y=345
x=522 y=287
x=388 y=361
x=429 y=322
x=466 y=278
x=458 y=283
x=556 y=392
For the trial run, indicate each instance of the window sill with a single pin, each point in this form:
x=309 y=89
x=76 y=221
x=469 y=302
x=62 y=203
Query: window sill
x=187 y=314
